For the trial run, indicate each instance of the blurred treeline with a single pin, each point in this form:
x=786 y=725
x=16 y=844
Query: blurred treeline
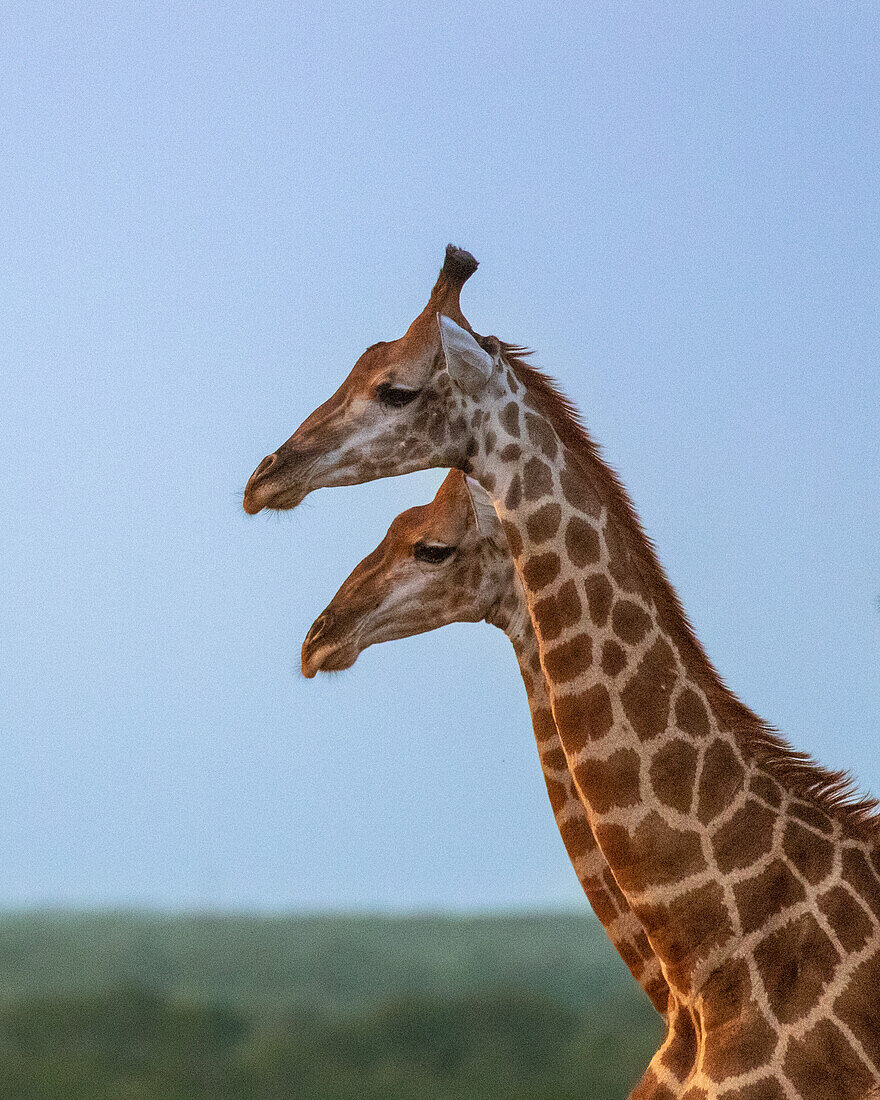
x=342 y=1008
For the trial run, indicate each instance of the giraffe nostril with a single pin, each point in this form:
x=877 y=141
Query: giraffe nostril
x=264 y=467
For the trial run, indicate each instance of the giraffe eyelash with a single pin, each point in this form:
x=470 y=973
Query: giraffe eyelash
x=432 y=553
x=395 y=396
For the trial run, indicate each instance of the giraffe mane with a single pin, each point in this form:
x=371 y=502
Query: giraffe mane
x=834 y=792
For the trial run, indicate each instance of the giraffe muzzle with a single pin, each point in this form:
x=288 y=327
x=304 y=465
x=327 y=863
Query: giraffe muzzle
x=328 y=647
x=277 y=483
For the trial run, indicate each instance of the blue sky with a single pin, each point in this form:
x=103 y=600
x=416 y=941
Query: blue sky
x=209 y=211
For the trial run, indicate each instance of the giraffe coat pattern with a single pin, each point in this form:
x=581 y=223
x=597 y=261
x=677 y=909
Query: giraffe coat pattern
x=751 y=870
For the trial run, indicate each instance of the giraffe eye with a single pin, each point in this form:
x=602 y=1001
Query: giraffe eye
x=431 y=552
x=395 y=396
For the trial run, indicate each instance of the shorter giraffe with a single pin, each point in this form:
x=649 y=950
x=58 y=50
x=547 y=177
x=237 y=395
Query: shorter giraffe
x=447 y=562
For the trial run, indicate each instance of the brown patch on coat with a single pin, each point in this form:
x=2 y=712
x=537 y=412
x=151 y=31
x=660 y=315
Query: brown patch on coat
x=725 y=994
x=582 y=542
x=553 y=614
x=774 y=889
x=542 y=435
x=745 y=837
x=557 y=793
x=812 y=815
x=537 y=479
x=658 y=991
x=858 y=1006
x=630 y=622
x=647 y=693
x=541 y=570
x=587 y=716
x=620 y=565
x=577 y=490
x=654 y=854
x=569 y=660
x=848 y=920
x=765 y=788
x=545 y=727
x=554 y=759
x=510 y=419
x=823 y=1066
x=544 y=523
x=741 y=1046
x=613 y=658
x=514 y=494
x=612 y=783
x=811 y=855
x=861 y=876
x=796 y=963
x=599 y=595
x=577 y=836
x=690 y=714
x=673 y=771
x=721 y=780
x=600 y=900
x=681 y=1050
x=514 y=539
x=686 y=930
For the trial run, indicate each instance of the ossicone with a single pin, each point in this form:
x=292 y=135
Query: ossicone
x=457 y=269
x=458 y=266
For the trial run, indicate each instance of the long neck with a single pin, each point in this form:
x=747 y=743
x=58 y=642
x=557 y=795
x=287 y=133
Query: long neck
x=643 y=720
x=726 y=846
x=591 y=868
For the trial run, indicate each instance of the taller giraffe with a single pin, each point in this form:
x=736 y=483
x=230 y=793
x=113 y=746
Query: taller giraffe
x=753 y=873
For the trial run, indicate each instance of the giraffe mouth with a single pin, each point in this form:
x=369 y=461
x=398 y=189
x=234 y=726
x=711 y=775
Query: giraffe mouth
x=281 y=482
x=281 y=499
x=328 y=658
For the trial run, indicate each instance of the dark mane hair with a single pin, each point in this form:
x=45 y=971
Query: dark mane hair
x=833 y=792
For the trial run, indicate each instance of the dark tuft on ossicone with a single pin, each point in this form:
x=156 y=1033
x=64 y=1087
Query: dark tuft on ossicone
x=458 y=265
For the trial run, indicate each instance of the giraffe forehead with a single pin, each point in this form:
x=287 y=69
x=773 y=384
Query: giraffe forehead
x=410 y=526
x=388 y=360
x=425 y=524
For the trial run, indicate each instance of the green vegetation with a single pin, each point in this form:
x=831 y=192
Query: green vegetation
x=336 y=1008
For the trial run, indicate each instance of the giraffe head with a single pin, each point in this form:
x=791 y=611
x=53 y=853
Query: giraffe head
x=443 y=563
x=406 y=405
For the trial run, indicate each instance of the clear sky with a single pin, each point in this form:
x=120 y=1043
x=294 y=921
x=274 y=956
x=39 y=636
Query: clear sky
x=208 y=211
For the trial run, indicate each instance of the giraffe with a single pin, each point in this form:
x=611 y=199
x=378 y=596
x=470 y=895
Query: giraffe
x=754 y=872
x=448 y=561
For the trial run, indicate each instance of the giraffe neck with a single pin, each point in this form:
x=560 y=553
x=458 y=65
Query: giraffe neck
x=643 y=720
x=731 y=862
x=608 y=903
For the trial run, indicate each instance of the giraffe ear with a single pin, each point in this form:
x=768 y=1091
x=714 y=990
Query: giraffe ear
x=469 y=366
x=488 y=523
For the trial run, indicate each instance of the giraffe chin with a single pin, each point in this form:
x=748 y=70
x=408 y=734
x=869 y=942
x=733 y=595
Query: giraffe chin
x=328 y=659
x=258 y=497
